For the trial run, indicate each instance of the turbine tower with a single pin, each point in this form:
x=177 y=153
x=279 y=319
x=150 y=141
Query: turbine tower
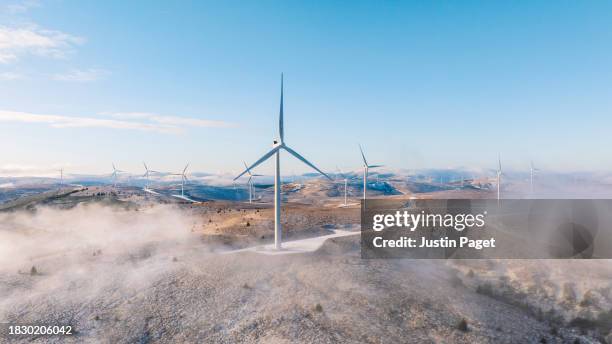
x=499 y=174
x=183 y=179
x=277 y=146
x=366 y=168
x=115 y=174
x=532 y=172
x=250 y=181
x=345 y=185
x=147 y=174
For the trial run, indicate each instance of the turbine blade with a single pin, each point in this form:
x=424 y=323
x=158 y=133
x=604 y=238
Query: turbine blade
x=375 y=166
x=295 y=154
x=145 y=166
x=281 y=128
x=262 y=159
x=363 y=156
x=247 y=169
x=185 y=169
x=249 y=181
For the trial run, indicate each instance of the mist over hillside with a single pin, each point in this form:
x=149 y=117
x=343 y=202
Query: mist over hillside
x=381 y=183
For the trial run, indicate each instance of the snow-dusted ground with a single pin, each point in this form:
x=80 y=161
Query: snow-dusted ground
x=296 y=246
x=143 y=276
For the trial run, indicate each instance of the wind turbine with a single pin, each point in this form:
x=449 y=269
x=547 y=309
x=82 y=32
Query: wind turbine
x=61 y=171
x=532 y=172
x=277 y=146
x=250 y=181
x=499 y=174
x=183 y=179
x=147 y=174
x=115 y=174
x=366 y=168
x=345 y=185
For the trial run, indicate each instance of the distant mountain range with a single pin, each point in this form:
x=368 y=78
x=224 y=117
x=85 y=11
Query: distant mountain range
x=384 y=182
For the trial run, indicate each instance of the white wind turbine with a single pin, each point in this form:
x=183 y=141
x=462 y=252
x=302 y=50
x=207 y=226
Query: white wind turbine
x=147 y=175
x=61 y=171
x=115 y=174
x=250 y=181
x=183 y=180
x=277 y=146
x=345 y=186
x=532 y=172
x=499 y=174
x=366 y=169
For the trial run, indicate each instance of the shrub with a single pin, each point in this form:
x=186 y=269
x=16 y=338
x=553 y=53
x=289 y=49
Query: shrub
x=485 y=289
x=462 y=325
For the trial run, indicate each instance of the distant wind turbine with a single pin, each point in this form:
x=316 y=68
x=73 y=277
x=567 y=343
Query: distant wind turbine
x=532 y=172
x=183 y=179
x=277 y=146
x=499 y=174
x=345 y=185
x=115 y=174
x=61 y=171
x=366 y=168
x=250 y=181
x=147 y=174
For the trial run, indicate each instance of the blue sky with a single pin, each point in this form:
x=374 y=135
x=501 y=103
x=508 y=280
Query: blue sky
x=419 y=84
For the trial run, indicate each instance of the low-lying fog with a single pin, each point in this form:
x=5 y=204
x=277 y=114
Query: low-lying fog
x=47 y=232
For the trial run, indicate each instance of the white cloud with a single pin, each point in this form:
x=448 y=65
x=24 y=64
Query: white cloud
x=22 y=6
x=17 y=170
x=79 y=75
x=17 y=42
x=134 y=123
x=11 y=76
x=171 y=120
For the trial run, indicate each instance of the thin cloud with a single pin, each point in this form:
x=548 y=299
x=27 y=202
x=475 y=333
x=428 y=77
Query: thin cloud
x=140 y=124
x=78 y=75
x=172 y=120
x=7 y=76
x=21 y=170
x=17 y=42
x=22 y=6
